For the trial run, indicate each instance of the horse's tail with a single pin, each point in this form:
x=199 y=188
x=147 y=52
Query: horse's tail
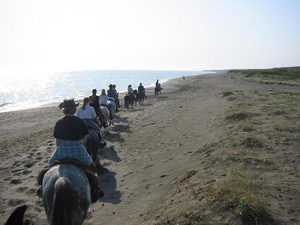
x=62 y=212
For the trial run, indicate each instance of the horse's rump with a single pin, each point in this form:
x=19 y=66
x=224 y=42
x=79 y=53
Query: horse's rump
x=66 y=195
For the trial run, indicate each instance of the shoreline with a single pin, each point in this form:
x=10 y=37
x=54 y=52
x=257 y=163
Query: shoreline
x=10 y=106
x=37 y=105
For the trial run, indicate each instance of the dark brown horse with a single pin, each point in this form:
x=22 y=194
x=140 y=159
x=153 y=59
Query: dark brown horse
x=129 y=100
x=157 y=90
x=139 y=97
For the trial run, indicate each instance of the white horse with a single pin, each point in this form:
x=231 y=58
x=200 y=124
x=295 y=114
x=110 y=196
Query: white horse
x=109 y=116
x=106 y=113
x=66 y=195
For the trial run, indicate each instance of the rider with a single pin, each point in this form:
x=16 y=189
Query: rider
x=103 y=100
x=142 y=90
x=88 y=114
x=95 y=104
x=157 y=84
x=69 y=141
x=116 y=97
x=70 y=136
x=130 y=90
x=111 y=93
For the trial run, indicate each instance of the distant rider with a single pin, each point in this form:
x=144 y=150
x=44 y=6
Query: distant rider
x=103 y=98
x=95 y=104
x=112 y=95
x=142 y=90
x=116 y=97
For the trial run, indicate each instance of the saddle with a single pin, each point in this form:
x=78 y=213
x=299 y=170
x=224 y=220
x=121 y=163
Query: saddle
x=111 y=99
x=90 y=172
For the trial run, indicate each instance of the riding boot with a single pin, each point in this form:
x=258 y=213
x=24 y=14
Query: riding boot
x=96 y=193
x=102 y=143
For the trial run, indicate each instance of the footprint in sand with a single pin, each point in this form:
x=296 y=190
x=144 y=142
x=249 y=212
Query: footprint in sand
x=17 y=163
x=31 y=191
x=26 y=172
x=16 y=181
x=127 y=174
x=21 y=189
x=15 y=202
x=148 y=166
x=29 y=164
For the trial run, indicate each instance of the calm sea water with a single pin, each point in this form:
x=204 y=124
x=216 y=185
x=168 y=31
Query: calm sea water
x=21 y=91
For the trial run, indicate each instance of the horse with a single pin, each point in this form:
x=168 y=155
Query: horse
x=92 y=144
x=17 y=216
x=157 y=90
x=106 y=113
x=66 y=195
x=129 y=100
x=113 y=108
x=139 y=97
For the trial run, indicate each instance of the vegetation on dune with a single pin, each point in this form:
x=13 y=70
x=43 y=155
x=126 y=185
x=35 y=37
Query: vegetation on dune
x=251 y=174
x=285 y=76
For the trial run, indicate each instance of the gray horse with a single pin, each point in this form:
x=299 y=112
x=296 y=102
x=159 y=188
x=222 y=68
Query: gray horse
x=66 y=195
x=105 y=111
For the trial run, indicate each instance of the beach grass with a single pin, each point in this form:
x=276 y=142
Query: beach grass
x=257 y=154
x=284 y=76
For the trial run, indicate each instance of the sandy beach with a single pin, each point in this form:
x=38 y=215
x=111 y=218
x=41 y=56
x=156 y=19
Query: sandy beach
x=162 y=159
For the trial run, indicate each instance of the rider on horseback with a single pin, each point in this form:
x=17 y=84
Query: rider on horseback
x=112 y=95
x=70 y=135
x=69 y=141
x=130 y=90
x=142 y=90
x=103 y=98
x=88 y=114
x=116 y=97
x=95 y=104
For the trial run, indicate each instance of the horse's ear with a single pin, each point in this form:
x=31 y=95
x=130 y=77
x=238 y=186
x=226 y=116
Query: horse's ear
x=17 y=217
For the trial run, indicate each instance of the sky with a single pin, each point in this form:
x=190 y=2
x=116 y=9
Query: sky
x=60 y=35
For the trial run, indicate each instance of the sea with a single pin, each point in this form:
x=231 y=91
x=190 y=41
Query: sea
x=20 y=91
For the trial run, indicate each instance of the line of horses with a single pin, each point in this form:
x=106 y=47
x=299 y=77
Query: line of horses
x=66 y=189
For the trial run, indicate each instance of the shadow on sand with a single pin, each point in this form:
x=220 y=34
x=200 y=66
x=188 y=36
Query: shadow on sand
x=110 y=154
x=108 y=184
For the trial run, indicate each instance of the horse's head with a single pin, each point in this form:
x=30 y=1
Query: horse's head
x=135 y=92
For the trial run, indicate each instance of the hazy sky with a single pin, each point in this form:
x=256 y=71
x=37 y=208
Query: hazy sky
x=144 y=34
